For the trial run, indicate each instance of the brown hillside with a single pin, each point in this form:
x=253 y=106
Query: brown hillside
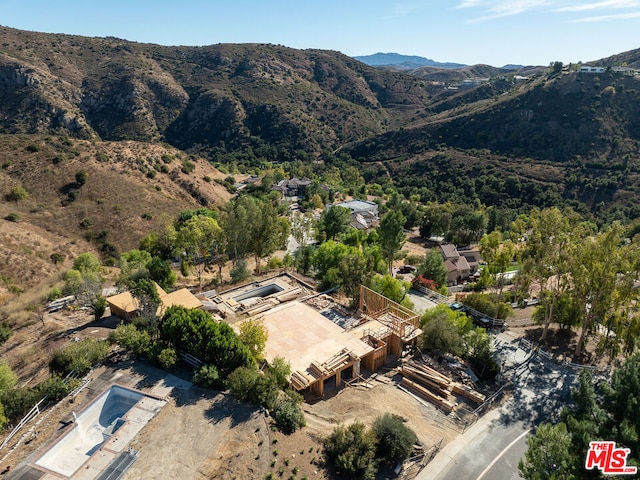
x=132 y=189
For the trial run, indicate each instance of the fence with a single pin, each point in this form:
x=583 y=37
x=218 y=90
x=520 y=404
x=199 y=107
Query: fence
x=528 y=346
x=33 y=413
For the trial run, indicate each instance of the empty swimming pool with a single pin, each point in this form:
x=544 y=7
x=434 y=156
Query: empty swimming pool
x=95 y=426
x=260 y=291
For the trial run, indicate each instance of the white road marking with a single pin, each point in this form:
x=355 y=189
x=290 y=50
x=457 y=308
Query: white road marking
x=484 y=472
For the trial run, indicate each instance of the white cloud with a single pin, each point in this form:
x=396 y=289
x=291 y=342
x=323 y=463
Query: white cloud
x=598 y=5
x=604 y=18
x=501 y=8
x=493 y=9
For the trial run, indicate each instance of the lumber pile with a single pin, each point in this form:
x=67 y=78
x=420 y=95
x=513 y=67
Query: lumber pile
x=432 y=385
x=467 y=392
x=437 y=400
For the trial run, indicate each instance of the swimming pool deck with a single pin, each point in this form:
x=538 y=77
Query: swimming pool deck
x=84 y=455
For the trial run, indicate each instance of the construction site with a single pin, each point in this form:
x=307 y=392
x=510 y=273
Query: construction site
x=340 y=358
x=330 y=346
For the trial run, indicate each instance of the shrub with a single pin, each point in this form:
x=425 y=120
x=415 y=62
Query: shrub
x=289 y=416
x=187 y=167
x=79 y=357
x=102 y=157
x=5 y=332
x=73 y=195
x=56 y=387
x=17 y=402
x=56 y=258
x=208 y=376
x=131 y=339
x=12 y=217
x=240 y=272
x=16 y=194
x=395 y=439
x=59 y=159
x=351 y=451
x=81 y=177
x=86 y=223
x=33 y=148
x=167 y=357
x=98 y=306
x=54 y=294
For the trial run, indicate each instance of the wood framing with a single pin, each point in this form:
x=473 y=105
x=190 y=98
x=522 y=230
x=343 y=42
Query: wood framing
x=402 y=323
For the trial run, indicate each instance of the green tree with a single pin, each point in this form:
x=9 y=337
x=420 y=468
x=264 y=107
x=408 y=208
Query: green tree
x=351 y=451
x=440 y=335
x=499 y=256
x=81 y=177
x=327 y=257
x=392 y=288
x=146 y=293
x=433 y=268
x=131 y=338
x=8 y=379
x=436 y=220
x=602 y=272
x=549 y=455
x=333 y=221
x=267 y=233
x=288 y=415
x=133 y=264
x=195 y=332
x=160 y=272
x=237 y=222
x=391 y=235
x=98 y=306
x=280 y=371
x=302 y=227
x=254 y=334
x=161 y=244
x=199 y=240
x=444 y=329
x=550 y=234
x=395 y=439
x=354 y=272
x=87 y=263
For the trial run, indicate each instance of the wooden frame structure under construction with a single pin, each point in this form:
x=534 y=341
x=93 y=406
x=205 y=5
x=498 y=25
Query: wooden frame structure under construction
x=319 y=350
x=398 y=327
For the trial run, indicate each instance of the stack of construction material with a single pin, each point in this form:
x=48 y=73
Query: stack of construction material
x=467 y=392
x=429 y=384
x=436 y=387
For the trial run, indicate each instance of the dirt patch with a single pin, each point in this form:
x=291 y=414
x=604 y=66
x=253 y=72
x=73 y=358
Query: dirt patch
x=202 y=435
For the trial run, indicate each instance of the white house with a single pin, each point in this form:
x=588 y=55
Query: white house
x=589 y=69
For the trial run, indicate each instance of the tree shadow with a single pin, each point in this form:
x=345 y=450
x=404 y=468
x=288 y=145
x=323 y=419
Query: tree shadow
x=541 y=391
x=225 y=407
x=559 y=341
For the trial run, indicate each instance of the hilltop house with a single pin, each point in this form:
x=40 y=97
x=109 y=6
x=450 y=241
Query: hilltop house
x=293 y=187
x=125 y=305
x=364 y=214
x=589 y=69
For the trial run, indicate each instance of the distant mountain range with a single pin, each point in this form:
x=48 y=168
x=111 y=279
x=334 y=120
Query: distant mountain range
x=411 y=62
x=408 y=62
x=138 y=117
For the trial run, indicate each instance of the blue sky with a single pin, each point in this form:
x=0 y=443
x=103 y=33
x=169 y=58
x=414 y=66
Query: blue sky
x=496 y=32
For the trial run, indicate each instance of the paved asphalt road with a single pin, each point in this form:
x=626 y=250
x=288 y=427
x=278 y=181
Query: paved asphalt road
x=492 y=447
